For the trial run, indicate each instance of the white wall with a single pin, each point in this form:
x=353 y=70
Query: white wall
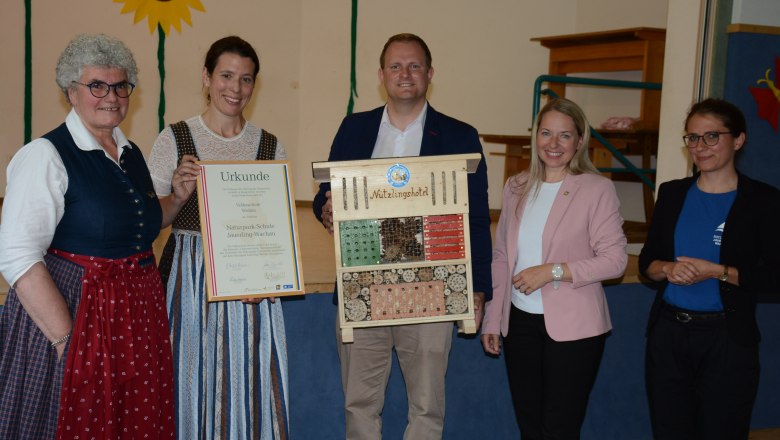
x=760 y=12
x=681 y=57
x=273 y=27
x=484 y=66
x=484 y=61
x=12 y=87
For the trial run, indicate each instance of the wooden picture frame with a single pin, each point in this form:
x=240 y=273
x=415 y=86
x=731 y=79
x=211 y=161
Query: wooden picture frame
x=249 y=228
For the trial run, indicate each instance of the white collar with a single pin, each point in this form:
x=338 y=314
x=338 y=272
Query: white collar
x=419 y=119
x=84 y=139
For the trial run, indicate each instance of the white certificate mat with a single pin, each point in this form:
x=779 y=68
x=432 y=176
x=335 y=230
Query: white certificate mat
x=250 y=233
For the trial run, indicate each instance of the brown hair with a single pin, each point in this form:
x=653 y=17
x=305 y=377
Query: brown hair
x=406 y=38
x=230 y=44
x=729 y=114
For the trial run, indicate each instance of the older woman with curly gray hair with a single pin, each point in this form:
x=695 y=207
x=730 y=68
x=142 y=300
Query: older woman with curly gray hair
x=84 y=346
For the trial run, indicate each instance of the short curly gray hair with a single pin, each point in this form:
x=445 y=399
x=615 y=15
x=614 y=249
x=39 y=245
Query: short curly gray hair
x=93 y=50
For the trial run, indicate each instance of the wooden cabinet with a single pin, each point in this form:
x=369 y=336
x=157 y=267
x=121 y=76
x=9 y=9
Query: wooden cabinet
x=631 y=49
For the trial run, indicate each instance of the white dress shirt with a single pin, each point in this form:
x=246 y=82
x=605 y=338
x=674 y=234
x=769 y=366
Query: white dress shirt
x=35 y=198
x=392 y=142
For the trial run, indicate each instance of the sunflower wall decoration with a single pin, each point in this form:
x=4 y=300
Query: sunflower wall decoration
x=161 y=15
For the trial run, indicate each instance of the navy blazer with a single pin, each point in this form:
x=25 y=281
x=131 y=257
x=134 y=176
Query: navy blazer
x=441 y=135
x=750 y=243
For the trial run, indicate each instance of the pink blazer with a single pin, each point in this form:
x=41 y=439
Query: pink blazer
x=584 y=230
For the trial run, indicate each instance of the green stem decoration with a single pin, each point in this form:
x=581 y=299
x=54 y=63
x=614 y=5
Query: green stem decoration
x=27 y=71
x=352 y=75
x=161 y=69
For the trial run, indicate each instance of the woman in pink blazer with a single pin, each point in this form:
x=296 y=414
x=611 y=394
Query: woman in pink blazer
x=560 y=234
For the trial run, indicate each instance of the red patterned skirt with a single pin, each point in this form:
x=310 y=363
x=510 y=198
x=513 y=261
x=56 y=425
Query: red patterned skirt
x=118 y=379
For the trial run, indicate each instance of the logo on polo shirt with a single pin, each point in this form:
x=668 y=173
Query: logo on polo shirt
x=718 y=236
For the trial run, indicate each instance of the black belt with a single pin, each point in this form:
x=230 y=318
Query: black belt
x=684 y=316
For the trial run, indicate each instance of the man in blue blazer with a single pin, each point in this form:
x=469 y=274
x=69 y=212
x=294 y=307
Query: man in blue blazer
x=407 y=126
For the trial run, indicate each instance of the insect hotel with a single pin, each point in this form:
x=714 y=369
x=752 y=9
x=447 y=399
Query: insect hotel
x=401 y=232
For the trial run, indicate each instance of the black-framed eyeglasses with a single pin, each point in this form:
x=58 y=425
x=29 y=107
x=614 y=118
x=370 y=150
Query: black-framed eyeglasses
x=710 y=138
x=100 y=89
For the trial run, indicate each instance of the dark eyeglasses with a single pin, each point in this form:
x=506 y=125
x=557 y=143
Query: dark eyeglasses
x=100 y=89
x=710 y=138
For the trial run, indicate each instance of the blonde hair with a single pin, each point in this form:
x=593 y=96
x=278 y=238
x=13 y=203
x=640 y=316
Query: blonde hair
x=580 y=163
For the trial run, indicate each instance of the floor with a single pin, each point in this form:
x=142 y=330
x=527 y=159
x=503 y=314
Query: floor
x=319 y=272
x=765 y=434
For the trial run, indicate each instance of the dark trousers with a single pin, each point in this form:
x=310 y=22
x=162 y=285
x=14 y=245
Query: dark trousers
x=701 y=384
x=550 y=381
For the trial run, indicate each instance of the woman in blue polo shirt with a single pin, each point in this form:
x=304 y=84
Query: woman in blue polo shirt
x=712 y=248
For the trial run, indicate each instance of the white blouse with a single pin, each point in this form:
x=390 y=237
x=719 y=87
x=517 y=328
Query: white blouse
x=209 y=145
x=529 y=242
x=35 y=197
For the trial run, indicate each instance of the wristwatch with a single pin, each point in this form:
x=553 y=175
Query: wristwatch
x=725 y=275
x=557 y=273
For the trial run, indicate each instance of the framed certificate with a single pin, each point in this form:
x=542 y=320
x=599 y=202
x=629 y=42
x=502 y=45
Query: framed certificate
x=250 y=233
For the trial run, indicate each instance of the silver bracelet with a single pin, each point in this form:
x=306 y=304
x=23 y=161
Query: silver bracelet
x=61 y=340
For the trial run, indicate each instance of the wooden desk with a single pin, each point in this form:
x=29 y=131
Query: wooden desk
x=639 y=49
x=517 y=155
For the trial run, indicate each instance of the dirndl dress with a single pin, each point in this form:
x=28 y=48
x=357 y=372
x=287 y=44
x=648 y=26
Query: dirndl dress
x=230 y=358
x=115 y=378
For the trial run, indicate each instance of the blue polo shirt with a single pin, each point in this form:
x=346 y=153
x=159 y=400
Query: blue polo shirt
x=698 y=234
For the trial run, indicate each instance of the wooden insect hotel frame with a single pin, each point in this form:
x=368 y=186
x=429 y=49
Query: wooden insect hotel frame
x=401 y=233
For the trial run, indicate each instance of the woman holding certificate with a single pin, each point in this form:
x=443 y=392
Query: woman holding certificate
x=230 y=359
